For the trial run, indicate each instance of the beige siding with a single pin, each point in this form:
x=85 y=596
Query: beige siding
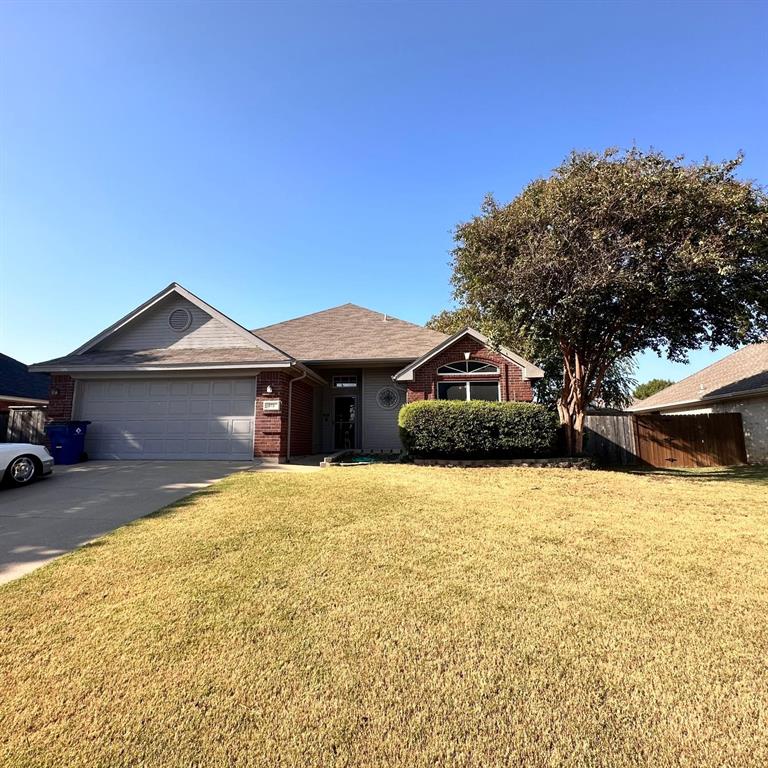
x=754 y=415
x=151 y=330
x=380 y=430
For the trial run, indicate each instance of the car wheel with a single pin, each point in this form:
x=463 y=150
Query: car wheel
x=22 y=470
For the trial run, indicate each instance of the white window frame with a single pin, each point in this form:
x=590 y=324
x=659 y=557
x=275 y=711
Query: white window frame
x=466 y=384
x=465 y=363
x=344 y=382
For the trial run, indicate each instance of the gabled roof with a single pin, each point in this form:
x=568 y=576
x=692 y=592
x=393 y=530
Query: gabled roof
x=742 y=373
x=17 y=381
x=168 y=357
x=530 y=371
x=349 y=333
x=256 y=341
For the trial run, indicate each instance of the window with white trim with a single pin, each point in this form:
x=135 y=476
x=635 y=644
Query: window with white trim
x=344 y=382
x=468 y=390
x=463 y=367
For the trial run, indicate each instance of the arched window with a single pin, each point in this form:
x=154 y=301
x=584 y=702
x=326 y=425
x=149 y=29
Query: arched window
x=463 y=367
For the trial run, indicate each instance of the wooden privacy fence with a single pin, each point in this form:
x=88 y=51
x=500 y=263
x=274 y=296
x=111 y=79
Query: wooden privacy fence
x=26 y=425
x=700 y=440
x=610 y=438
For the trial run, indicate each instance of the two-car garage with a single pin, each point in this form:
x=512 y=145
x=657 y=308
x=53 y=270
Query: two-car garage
x=167 y=418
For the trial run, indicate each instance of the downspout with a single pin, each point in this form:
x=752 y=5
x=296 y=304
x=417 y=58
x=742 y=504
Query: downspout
x=290 y=401
x=255 y=412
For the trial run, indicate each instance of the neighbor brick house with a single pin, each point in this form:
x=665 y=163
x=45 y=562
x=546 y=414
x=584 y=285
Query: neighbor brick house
x=176 y=378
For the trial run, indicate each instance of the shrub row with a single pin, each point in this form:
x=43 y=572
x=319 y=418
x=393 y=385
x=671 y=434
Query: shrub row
x=477 y=429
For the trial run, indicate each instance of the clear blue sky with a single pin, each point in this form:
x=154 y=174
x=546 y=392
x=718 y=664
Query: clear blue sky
x=278 y=159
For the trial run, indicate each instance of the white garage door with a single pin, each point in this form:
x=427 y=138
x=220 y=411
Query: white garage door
x=168 y=418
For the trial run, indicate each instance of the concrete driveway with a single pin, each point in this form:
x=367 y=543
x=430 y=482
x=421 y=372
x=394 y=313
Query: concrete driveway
x=80 y=503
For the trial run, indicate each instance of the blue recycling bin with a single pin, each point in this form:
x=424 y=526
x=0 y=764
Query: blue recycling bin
x=67 y=441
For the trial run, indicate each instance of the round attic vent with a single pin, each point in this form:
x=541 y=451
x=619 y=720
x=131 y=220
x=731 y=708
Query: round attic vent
x=180 y=320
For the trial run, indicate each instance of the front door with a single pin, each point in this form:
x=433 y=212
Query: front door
x=344 y=413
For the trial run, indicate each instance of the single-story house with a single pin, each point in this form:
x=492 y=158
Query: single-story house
x=177 y=379
x=20 y=387
x=736 y=384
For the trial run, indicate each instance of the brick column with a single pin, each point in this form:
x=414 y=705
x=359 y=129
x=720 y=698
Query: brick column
x=61 y=395
x=270 y=437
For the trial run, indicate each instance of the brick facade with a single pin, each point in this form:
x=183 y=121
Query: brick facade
x=270 y=436
x=61 y=396
x=425 y=378
x=302 y=418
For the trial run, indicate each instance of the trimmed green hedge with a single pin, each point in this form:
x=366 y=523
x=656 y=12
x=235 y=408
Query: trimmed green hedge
x=477 y=429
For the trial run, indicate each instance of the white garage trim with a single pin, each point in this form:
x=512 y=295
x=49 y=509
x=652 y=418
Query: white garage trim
x=168 y=418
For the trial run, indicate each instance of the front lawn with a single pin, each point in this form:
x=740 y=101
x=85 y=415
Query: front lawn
x=404 y=616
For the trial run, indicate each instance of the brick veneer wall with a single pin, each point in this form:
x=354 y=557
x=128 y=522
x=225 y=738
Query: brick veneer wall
x=302 y=414
x=270 y=436
x=425 y=378
x=61 y=394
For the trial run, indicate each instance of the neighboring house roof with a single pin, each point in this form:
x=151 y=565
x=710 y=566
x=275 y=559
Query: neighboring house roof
x=530 y=371
x=742 y=373
x=17 y=381
x=172 y=356
x=350 y=333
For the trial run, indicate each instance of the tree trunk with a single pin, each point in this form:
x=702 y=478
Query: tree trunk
x=572 y=404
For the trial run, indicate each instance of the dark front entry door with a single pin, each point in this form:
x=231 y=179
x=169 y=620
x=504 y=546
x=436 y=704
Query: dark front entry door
x=344 y=422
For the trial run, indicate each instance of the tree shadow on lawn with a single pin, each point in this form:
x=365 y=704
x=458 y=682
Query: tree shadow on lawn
x=754 y=474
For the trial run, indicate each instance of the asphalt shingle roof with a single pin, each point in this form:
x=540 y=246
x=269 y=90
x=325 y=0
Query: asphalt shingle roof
x=742 y=372
x=172 y=356
x=351 y=332
x=15 y=379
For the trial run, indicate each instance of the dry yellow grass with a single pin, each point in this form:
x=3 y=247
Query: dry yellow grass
x=403 y=616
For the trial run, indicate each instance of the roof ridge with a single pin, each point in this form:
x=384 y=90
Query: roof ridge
x=302 y=317
x=340 y=306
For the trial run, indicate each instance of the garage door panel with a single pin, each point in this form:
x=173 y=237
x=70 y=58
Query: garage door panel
x=157 y=388
x=157 y=408
x=241 y=426
x=179 y=418
x=136 y=389
x=197 y=427
x=223 y=408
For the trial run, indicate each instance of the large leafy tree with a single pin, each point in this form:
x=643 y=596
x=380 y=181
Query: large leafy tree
x=615 y=253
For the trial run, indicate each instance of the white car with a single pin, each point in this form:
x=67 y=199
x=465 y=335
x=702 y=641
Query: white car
x=21 y=463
